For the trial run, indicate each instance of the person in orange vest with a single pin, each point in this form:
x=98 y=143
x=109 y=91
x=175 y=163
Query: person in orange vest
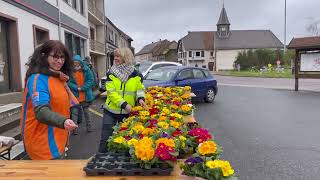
x=81 y=86
x=45 y=116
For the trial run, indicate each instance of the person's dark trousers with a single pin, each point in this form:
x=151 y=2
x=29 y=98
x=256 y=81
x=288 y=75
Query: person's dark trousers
x=85 y=107
x=109 y=120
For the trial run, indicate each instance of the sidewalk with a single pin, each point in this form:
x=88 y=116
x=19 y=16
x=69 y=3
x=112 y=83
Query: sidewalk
x=273 y=83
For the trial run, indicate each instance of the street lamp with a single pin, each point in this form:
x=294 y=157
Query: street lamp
x=285 y=27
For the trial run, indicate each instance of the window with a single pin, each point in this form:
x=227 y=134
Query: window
x=92 y=34
x=82 y=7
x=211 y=53
x=185 y=54
x=82 y=47
x=198 y=54
x=75 y=44
x=223 y=28
x=202 y=53
x=207 y=73
x=74 y=4
x=198 y=74
x=186 y=74
x=111 y=36
x=40 y=35
x=190 y=53
x=157 y=66
x=116 y=39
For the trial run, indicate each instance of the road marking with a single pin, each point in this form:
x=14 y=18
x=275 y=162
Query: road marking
x=96 y=112
x=256 y=86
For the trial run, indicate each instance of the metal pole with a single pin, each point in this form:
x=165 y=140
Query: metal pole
x=285 y=27
x=59 y=20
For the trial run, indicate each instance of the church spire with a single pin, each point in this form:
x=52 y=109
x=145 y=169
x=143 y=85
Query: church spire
x=223 y=25
x=223 y=20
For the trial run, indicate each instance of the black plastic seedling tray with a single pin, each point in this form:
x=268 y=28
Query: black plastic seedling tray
x=113 y=164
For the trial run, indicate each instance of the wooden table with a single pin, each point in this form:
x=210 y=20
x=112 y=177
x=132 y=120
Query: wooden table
x=66 y=170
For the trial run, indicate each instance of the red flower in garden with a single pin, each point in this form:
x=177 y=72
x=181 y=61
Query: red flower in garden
x=123 y=129
x=163 y=152
x=134 y=113
x=176 y=103
x=172 y=118
x=141 y=136
x=176 y=133
x=168 y=101
x=154 y=111
x=153 y=121
x=200 y=134
x=127 y=137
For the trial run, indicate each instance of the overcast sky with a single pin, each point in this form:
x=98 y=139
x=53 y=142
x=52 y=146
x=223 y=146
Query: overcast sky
x=147 y=21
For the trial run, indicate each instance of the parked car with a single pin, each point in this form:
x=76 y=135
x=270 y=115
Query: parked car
x=144 y=68
x=147 y=66
x=202 y=82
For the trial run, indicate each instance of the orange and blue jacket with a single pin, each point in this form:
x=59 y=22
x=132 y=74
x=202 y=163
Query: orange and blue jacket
x=42 y=141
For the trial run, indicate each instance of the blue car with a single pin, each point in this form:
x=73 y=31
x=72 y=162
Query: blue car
x=202 y=82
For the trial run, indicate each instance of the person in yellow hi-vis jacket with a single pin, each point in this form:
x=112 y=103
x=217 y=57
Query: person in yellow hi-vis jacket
x=125 y=89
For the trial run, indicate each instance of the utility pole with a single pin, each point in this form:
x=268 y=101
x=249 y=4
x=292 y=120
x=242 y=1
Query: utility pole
x=59 y=20
x=285 y=28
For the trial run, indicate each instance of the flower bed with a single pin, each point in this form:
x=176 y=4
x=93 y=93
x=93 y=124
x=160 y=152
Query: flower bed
x=158 y=133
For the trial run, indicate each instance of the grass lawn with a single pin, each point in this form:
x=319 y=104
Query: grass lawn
x=268 y=74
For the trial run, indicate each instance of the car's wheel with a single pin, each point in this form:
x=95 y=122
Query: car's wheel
x=210 y=96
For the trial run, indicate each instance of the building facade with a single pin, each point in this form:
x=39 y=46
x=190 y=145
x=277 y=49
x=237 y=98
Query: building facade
x=97 y=36
x=162 y=50
x=26 y=24
x=218 y=50
x=197 y=49
x=115 y=38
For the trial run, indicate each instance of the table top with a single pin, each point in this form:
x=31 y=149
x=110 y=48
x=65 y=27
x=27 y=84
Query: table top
x=65 y=170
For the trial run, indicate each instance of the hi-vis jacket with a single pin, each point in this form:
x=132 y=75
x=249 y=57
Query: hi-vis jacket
x=120 y=94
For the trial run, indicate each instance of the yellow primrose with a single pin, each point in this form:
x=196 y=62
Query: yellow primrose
x=153 y=116
x=174 y=107
x=166 y=141
x=182 y=138
x=175 y=124
x=207 y=148
x=225 y=166
x=137 y=108
x=178 y=99
x=176 y=115
x=165 y=111
x=132 y=141
x=163 y=125
x=162 y=118
x=148 y=131
x=144 y=113
x=186 y=96
x=120 y=140
x=187 y=88
x=146 y=141
x=185 y=108
x=138 y=128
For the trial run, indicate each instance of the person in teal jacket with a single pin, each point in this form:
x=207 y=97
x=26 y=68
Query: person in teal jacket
x=81 y=86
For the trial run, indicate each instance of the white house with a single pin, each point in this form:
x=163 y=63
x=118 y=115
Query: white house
x=197 y=49
x=25 y=24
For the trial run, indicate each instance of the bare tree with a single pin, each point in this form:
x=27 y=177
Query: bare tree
x=314 y=27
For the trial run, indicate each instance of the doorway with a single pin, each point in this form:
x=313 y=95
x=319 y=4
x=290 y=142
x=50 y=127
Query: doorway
x=211 y=66
x=4 y=60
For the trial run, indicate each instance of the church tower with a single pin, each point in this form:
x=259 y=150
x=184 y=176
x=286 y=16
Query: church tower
x=223 y=25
